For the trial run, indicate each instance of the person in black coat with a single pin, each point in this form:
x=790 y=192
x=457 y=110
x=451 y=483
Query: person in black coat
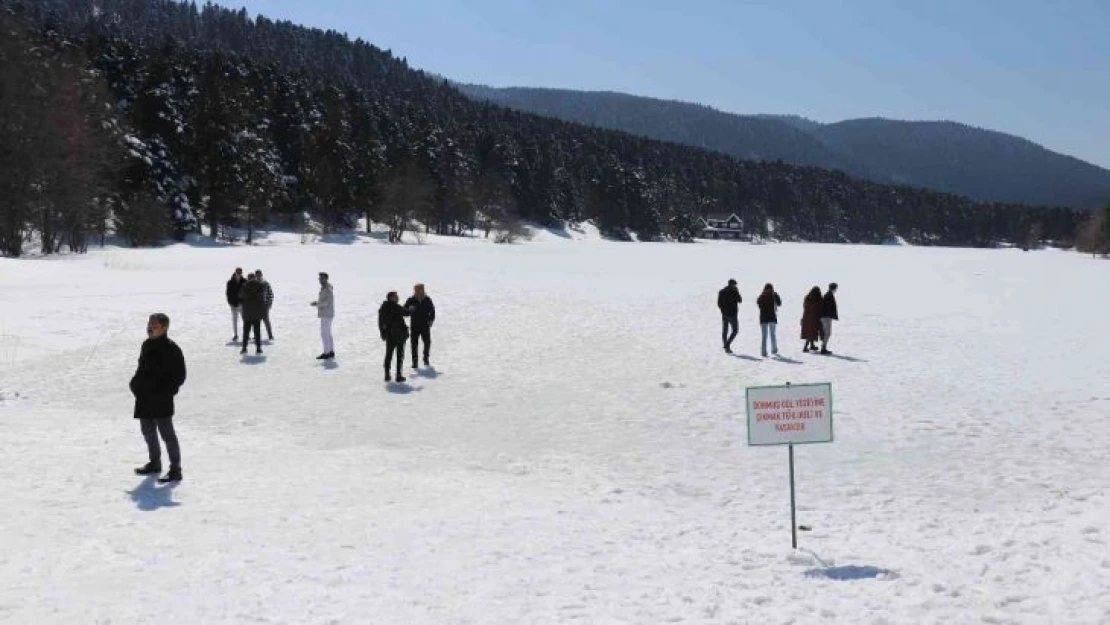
x=768 y=303
x=828 y=315
x=252 y=298
x=423 y=313
x=160 y=374
x=728 y=301
x=232 y=292
x=391 y=324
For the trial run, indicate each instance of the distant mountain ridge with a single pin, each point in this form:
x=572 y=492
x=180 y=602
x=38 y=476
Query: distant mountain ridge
x=940 y=155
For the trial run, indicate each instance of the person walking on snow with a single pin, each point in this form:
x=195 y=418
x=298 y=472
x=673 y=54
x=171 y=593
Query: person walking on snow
x=811 y=319
x=160 y=374
x=268 y=296
x=391 y=324
x=423 y=313
x=828 y=315
x=233 y=286
x=728 y=301
x=768 y=303
x=325 y=310
x=253 y=299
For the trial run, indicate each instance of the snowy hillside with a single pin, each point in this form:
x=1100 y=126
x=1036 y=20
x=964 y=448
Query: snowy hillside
x=579 y=451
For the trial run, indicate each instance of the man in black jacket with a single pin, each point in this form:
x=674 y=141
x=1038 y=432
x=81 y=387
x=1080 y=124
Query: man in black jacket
x=391 y=324
x=252 y=297
x=728 y=300
x=828 y=315
x=232 y=292
x=423 y=313
x=160 y=374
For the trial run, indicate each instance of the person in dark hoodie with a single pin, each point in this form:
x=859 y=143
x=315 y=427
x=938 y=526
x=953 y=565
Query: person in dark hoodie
x=269 y=299
x=253 y=299
x=423 y=313
x=768 y=303
x=160 y=374
x=811 y=319
x=391 y=324
x=728 y=301
x=232 y=292
x=828 y=315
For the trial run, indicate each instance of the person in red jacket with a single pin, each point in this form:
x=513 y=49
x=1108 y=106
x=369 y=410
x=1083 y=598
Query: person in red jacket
x=811 y=319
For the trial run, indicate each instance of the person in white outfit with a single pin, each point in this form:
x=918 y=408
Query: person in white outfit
x=325 y=310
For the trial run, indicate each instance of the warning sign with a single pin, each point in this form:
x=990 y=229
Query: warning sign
x=780 y=415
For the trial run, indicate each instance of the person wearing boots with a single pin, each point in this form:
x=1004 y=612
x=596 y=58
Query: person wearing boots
x=728 y=301
x=269 y=298
x=828 y=315
x=423 y=313
x=160 y=374
x=253 y=299
x=233 y=286
x=391 y=324
x=768 y=303
x=811 y=319
x=325 y=310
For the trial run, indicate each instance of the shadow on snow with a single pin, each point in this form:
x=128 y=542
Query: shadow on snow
x=402 y=388
x=850 y=572
x=148 y=496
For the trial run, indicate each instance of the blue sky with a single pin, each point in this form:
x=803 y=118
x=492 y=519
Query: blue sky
x=1035 y=69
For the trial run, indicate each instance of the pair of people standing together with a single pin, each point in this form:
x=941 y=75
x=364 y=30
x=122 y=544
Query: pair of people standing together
x=817 y=317
x=394 y=331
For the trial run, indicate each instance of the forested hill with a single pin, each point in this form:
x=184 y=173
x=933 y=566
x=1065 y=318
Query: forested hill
x=943 y=156
x=232 y=121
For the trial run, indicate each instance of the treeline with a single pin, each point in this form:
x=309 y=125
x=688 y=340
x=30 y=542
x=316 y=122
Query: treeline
x=232 y=122
x=1094 y=233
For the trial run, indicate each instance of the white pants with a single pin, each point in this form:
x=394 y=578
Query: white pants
x=235 y=312
x=826 y=331
x=325 y=334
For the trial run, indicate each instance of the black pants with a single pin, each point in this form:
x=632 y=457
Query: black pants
x=257 y=325
x=417 y=334
x=391 y=346
x=151 y=429
x=266 y=320
x=728 y=323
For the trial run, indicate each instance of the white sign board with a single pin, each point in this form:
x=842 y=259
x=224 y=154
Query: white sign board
x=778 y=415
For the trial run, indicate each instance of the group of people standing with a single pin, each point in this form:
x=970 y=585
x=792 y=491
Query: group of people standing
x=161 y=370
x=818 y=313
x=251 y=299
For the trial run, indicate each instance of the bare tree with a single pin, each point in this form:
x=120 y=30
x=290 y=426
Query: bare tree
x=409 y=190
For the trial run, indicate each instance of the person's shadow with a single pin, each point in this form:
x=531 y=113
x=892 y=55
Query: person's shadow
x=848 y=358
x=148 y=496
x=428 y=372
x=402 y=388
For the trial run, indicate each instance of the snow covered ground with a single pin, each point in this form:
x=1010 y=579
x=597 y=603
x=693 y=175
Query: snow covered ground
x=579 y=451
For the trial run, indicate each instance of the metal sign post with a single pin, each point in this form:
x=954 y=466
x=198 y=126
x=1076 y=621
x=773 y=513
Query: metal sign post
x=786 y=415
x=793 y=515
